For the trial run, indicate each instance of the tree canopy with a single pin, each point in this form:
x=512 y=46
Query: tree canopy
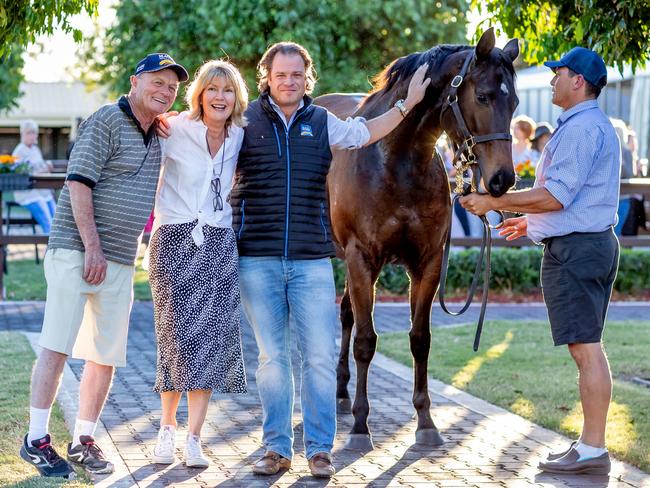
x=619 y=30
x=11 y=65
x=21 y=21
x=350 y=40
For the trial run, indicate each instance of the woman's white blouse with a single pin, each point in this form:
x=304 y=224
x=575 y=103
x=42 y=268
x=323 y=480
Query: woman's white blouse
x=184 y=190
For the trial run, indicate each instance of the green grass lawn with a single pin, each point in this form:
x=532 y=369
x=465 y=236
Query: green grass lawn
x=518 y=368
x=25 y=281
x=15 y=369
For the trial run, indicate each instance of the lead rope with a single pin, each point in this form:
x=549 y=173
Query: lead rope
x=485 y=252
x=464 y=159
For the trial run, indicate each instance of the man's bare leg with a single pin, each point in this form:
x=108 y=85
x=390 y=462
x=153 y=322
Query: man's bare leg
x=93 y=390
x=46 y=377
x=595 y=382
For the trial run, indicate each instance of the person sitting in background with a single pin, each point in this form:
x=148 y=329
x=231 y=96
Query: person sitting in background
x=523 y=128
x=627 y=163
x=633 y=146
x=543 y=133
x=40 y=203
x=627 y=171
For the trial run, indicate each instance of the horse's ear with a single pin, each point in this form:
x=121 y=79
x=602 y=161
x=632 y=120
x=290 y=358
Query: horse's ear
x=485 y=43
x=512 y=49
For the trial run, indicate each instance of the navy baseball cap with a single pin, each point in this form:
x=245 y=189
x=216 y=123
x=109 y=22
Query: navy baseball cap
x=159 y=61
x=584 y=62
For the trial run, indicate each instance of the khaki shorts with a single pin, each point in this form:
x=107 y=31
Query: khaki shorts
x=86 y=321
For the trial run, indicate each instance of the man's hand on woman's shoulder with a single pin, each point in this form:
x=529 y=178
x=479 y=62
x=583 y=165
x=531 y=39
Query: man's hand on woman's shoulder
x=163 y=128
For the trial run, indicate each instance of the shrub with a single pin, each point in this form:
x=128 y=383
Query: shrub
x=513 y=270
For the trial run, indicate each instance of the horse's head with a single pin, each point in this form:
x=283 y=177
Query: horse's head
x=486 y=99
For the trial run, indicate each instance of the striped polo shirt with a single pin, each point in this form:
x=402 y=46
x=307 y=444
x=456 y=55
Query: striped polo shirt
x=580 y=166
x=114 y=157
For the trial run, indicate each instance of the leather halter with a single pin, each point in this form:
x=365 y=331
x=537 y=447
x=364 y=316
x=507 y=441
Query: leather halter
x=464 y=159
x=464 y=156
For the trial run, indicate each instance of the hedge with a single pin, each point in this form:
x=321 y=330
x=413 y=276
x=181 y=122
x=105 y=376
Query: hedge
x=513 y=270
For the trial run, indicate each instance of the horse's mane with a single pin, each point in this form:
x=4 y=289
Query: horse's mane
x=399 y=72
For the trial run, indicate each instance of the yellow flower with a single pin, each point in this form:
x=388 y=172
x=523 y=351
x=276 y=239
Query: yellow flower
x=7 y=159
x=525 y=169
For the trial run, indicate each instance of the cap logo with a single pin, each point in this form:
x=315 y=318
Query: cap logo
x=165 y=62
x=139 y=68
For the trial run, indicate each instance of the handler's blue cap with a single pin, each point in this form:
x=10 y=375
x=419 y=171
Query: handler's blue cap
x=159 y=61
x=584 y=62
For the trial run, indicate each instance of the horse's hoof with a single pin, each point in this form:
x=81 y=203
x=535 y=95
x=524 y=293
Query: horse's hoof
x=359 y=442
x=428 y=437
x=343 y=405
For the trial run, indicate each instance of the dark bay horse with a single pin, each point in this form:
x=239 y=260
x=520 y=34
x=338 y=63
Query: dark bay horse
x=389 y=202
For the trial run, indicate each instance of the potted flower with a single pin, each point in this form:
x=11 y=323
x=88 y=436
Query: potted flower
x=14 y=175
x=525 y=175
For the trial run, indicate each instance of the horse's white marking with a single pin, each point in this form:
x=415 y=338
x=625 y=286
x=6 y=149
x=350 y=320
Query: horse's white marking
x=504 y=89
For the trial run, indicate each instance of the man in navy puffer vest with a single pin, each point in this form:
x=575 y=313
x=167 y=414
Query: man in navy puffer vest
x=280 y=216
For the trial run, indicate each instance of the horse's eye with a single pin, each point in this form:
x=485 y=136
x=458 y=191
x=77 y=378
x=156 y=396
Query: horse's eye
x=483 y=99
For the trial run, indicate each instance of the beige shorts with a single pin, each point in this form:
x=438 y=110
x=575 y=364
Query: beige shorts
x=86 y=321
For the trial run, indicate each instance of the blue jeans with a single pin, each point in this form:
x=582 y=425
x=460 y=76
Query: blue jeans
x=43 y=212
x=276 y=292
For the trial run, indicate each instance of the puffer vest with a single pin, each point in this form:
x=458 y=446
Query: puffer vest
x=279 y=198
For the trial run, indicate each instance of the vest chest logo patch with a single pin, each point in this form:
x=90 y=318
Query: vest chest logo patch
x=305 y=130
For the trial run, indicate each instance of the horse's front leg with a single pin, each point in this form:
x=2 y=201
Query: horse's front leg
x=423 y=289
x=343 y=404
x=361 y=280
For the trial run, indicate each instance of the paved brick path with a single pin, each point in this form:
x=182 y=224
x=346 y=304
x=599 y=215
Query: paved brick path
x=485 y=446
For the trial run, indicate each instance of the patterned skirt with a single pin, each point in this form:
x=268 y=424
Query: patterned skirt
x=196 y=308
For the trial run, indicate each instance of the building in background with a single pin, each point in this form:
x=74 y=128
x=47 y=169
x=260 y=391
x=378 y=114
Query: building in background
x=58 y=108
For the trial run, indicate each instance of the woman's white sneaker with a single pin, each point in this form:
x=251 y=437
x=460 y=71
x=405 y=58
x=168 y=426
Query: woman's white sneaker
x=163 y=453
x=194 y=457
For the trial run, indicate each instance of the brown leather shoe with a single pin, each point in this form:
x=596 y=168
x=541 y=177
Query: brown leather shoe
x=320 y=465
x=571 y=463
x=271 y=463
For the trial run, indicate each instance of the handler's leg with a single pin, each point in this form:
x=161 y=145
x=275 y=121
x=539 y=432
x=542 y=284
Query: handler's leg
x=595 y=382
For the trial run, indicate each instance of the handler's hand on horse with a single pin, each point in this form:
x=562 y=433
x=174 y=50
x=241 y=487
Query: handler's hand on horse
x=514 y=228
x=163 y=128
x=417 y=87
x=477 y=203
x=94 y=266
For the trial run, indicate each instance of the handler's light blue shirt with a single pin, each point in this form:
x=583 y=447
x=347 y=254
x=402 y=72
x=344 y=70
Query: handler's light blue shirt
x=580 y=166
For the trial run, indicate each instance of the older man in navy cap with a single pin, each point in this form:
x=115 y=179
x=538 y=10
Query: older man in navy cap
x=571 y=210
x=108 y=196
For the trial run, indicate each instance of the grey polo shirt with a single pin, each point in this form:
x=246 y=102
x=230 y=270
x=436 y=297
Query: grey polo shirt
x=114 y=157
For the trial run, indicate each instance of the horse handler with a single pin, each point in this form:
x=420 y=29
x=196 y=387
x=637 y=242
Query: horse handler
x=571 y=210
x=89 y=265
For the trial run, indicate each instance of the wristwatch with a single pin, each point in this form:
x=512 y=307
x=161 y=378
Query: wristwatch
x=402 y=107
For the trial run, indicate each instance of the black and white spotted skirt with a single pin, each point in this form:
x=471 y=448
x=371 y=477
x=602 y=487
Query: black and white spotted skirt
x=196 y=308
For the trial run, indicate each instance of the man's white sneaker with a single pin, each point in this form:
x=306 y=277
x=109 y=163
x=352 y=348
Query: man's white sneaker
x=194 y=457
x=163 y=453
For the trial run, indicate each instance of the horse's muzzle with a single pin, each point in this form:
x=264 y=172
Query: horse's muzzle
x=501 y=182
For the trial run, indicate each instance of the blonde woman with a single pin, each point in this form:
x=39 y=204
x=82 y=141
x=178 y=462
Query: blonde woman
x=193 y=260
x=523 y=129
